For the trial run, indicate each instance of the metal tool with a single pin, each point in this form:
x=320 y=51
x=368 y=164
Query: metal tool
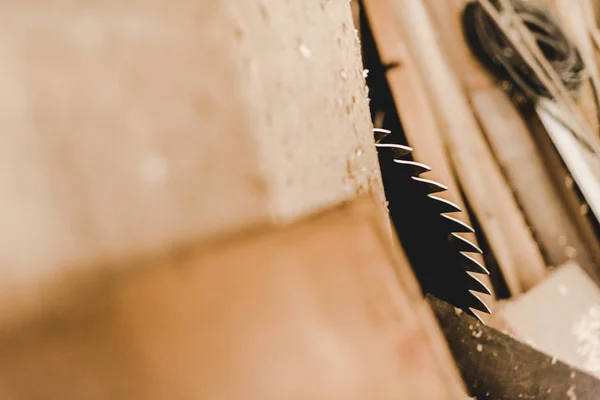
x=430 y=237
x=495 y=366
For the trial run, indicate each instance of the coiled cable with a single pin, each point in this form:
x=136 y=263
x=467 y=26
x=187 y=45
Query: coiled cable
x=495 y=50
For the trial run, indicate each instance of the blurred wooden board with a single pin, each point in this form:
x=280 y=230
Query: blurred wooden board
x=526 y=170
x=498 y=367
x=561 y=317
x=130 y=127
x=325 y=309
x=571 y=16
x=513 y=146
x=559 y=149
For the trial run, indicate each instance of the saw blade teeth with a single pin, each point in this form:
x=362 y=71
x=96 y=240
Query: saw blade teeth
x=445 y=206
x=463 y=244
x=476 y=285
x=432 y=186
x=416 y=167
x=450 y=283
x=398 y=149
x=475 y=315
x=380 y=133
x=478 y=304
x=472 y=265
x=455 y=225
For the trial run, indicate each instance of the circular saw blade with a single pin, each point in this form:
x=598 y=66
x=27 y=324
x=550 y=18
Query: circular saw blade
x=431 y=238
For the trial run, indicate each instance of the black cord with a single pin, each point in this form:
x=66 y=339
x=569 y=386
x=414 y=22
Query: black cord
x=492 y=47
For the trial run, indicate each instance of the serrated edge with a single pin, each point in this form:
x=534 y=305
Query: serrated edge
x=468 y=243
x=466 y=227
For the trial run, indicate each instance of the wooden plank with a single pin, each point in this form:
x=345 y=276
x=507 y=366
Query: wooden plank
x=588 y=10
x=560 y=317
x=512 y=145
x=498 y=367
x=355 y=7
x=596 y=7
x=135 y=126
x=570 y=15
x=325 y=309
x=416 y=113
x=483 y=183
x=563 y=178
x=509 y=136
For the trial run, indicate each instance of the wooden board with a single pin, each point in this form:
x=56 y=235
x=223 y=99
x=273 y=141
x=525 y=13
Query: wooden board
x=416 y=113
x=525 y=168
x=588 y=9
x=512 y=144
x=561 y=317
x=131 y=127
x=325 y=309
x=479 y=175
x=571 y=17
x=563 y=178
x=498 y=367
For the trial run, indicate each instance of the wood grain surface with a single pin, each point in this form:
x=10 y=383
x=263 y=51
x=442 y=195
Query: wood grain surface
x=325 y=309
x=131 y=127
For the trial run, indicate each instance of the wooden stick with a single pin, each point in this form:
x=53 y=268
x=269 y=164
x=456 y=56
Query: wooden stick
x=572 y=18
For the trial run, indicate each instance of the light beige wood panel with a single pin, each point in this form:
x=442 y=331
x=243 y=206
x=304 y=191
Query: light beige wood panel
x=133 y=126
x=486 y=189
x=560 y=317
x=326 y=309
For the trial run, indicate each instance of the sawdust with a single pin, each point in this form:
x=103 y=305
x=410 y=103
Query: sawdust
x=305 y=51
x=563 y=290
x=571 y=252
x=571 y=393
x=587 y=335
